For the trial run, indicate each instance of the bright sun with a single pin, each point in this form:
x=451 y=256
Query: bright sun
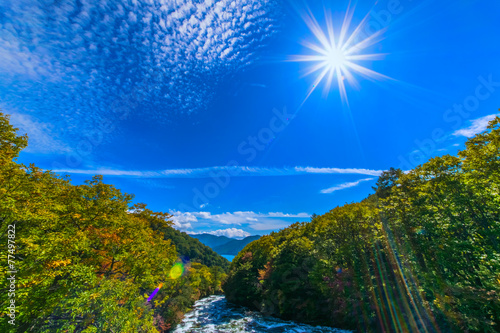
x=335 y=58
x=338 y=53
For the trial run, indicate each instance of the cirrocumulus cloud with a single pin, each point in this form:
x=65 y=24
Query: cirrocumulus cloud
x=78 y=62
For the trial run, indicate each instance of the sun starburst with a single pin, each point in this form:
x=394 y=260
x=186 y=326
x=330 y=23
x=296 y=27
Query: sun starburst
x=338 y=53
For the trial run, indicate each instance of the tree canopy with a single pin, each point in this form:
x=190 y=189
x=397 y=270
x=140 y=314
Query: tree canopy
x=421 y=254
x=86 y=259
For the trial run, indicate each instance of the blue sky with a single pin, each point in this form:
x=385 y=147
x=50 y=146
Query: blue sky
x=197 y=109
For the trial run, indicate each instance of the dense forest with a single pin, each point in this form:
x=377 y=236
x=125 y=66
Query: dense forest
x=420 y=255
x=84 y=259
x=225 y=245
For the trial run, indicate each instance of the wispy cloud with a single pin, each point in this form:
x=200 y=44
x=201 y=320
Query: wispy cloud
x=345 y=185
x=339 y=171
x=477 y=126
x=253 y=220
x=41 y=139
x=216 y=171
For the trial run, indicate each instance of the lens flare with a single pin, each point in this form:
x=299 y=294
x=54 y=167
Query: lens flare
x=337 y=54
x=153 y=294
x=176 y=271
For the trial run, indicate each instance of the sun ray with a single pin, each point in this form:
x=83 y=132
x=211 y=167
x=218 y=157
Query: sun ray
x=331 y=73
x=368 y=73
x=318 y=80
x=329 y=27
x=315 y=47
x=315 y=28
x=301 y=58
x=368 y=41
x=315 y=69
x=350 y=78
x=374 y=56
x=346 y=24
x=356 y=32
x=338 y=55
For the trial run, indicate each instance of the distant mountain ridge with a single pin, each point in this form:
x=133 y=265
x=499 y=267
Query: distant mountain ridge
x=212 y=240
x=225 y=245
x=234 y=246
x=192 y=249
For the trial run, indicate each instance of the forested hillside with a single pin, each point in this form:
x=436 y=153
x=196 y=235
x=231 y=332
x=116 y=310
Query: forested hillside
x=421 y=254
x=190 y=248
x=84 y=259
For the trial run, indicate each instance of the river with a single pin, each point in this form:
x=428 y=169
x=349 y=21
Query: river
x=215 y=314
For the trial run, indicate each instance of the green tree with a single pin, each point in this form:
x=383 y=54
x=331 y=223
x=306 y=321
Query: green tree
x=86 y=259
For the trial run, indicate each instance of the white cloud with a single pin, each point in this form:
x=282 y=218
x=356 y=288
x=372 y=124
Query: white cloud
x=256 y=221
x=477 y=126
x=223 y=171
x=230 y=232
x=344 y=185
x=183 y=220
